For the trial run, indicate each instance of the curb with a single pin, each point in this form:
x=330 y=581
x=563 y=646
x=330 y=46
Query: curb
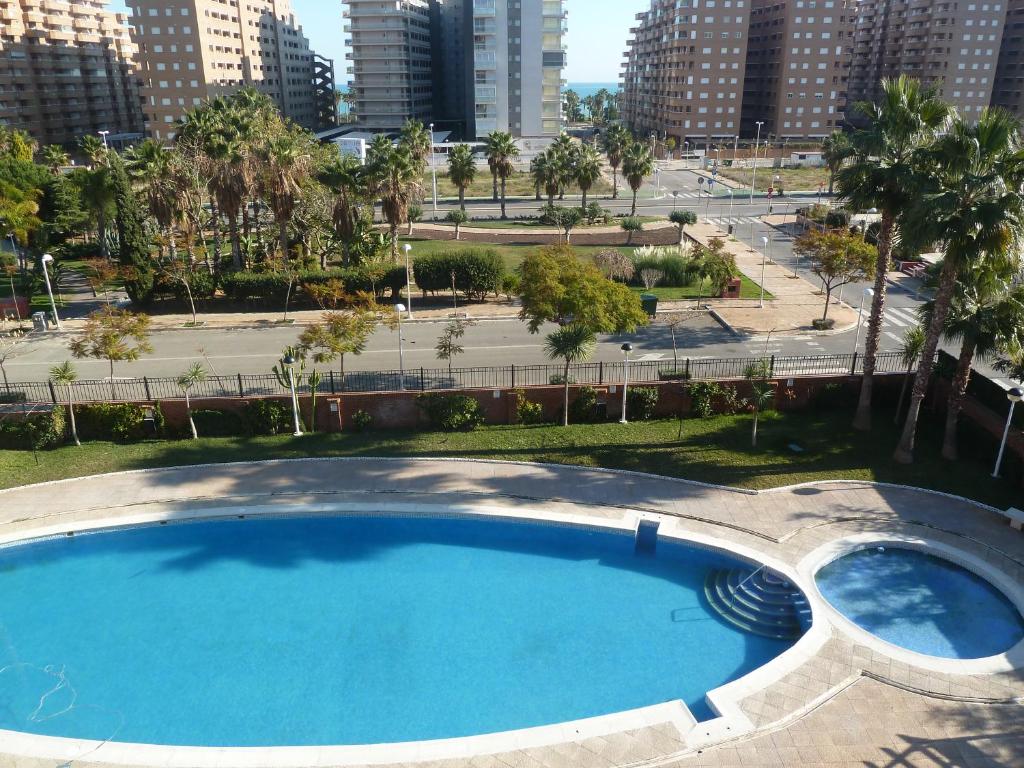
x=722 y=322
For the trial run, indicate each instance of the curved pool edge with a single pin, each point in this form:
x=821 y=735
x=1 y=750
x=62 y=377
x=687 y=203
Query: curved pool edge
x=724 y=700
x=808 y=568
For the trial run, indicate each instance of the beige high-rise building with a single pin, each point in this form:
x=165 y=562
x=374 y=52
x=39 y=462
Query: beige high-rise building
x=66 y=69
x=193 y=50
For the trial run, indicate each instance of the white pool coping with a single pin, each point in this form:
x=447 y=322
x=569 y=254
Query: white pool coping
x=812 y=563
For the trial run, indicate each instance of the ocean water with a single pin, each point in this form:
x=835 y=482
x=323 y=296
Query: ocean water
x=589 y=89
x=352 y=630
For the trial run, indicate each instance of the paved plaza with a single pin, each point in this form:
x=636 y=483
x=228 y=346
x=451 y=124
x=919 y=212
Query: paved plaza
x=843 y=703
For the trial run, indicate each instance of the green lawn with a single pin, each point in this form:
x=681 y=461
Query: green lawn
x=714 y=450
x=518 y=185
x=535 y=224
x=750 y=290
x=793 y=179
x=512 y=254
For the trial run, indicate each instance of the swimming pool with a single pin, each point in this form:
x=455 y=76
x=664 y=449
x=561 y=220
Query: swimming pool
x=354 y=630
x=923 y=603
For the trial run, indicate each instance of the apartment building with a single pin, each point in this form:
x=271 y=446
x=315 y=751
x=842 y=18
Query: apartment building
x=1008 y=88
x=471 y=66
x=953 y=47
x=193 y=50
x=66 y=69
x=685 y=69
x=798 y=67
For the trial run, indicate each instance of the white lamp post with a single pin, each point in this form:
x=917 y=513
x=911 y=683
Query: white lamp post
x=868 y=293
x=408 y=277
x=289 y=364
x=626 y=349
x=657 y=179
x=433 y=168
x=104 y=135
x=764 y=261
x=1015 y=395
x=753 y=178
x=48 y=259
x=686 y=152
x=399 y=309
x=731 y=223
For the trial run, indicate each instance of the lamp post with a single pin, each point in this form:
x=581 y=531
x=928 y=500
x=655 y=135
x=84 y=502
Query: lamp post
x=626 y=349
x=433 y=168
x=657 y=180
x=731 y=223
x=399 y=309
x=764 y=261
x=104 y=135
x=675 y=200
x=753 y=178
x=408 y=277
x=868 y=293
x=48 y=259
x=686 y=152
x=289 y=364
x=735 y=148
x=1015 y=395
x=14 y=250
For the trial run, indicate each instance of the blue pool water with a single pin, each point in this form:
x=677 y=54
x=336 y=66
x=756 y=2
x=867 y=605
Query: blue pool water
x=922 y=603
x=324 y=630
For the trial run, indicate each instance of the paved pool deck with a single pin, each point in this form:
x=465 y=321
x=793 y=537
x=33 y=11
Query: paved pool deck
x=844 y=703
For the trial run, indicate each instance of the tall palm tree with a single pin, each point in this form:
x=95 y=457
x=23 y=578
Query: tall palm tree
x=836 y=149
x=461 y=170
x=418 y=141
x=616 y=141
x=588 y=170
x=93 y=149
x=574 y=344
x=346 y=179
x=54 y=157
x=883 y=175
x=149 y=164
x=398 y=183
x=972 y=204
x=910 y=352
x=564 y=153
x=97 y=191
x=287 y=165
x=1011 y=362
x=65 y=375
x=537 y=173
x=229 y=183
x=502 y=152
x=491 y=151
x=547 y=172
x=637 y=164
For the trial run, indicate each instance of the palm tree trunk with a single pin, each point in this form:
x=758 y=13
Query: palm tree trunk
x=831 y=181
x=615 y=183
x=753 y=441
x=236 y=243
x=191 y=421
x=903 y=393
x=565 y=397
x=245 y=218
x=282 y=238
x=215 y=226
x=394 y=241
x=503 y=184
x=956 y=400
x=862 y=421
x=943 y=298
x=536 y=189
x=583 y=202
x=71 y=418
x=551 y=198
x=494 y=185
x=462 y=198
x=634 y=203
x=101 y=233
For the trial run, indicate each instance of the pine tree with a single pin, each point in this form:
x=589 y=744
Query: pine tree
x=133 y=254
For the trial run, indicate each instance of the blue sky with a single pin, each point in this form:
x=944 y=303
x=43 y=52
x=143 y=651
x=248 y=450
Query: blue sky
x=597 y=34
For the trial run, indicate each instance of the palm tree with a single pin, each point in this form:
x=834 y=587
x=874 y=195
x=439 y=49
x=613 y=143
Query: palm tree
x=287 y=165
x=537 y=174
x=883 y=175
x=972 y=204
x=616 y=141
x=637 y=164
x=910 y=351
x=18 y=213
x=54 y=157
x=549 y=173
x=229 y=183
x=97 y=191
x=1011 y=362
x=418 y=141
x=461 y=170
x=345 y=177
x=587 y=170
x=502 y=151
x=574 y=344
x=563 y=151
x=150 y=165
x=836 y=149
x=93 y=149
x=194 y=376
x=65 y=375
x=398 y=184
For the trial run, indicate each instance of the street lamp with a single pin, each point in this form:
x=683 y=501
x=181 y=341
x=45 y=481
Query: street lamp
x=868 y=293
x=626 y=349
x=1015 y=395
x=764 y=261
x=686 y=153
x=104 y=134
x=48 y=259
x=289 y=365
x=675 y=200
x=399 y=309
x=731 y=223
x=433 y=168
x=408 y=277
x=753 y=178
x=657 y=179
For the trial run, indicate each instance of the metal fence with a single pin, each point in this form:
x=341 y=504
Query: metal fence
x=427 y=379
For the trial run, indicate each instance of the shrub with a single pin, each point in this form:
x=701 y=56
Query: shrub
x=272 y=287
x=110 y=422
x=362 y=421
x=834 y=397
x=12 y=397
x=702 y=397
x=510 y=284
x=478 y=272
x=837 y=219
x=823 y=325
x=527 y=411
x=267 y=417
x=218 y=423
x=36 y=431
x=641 y=403
x=451 y=413
x=586 y=408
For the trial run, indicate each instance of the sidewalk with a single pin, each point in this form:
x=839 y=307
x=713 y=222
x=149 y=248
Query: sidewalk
x=796 y=302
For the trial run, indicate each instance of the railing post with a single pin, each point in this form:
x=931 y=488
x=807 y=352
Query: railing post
x=687 y=368
x=853 y=367
x=241 y=389
x=333 y=392
x=513 y=375
x=145 y=386
x=600 y=375
x=772 y=376
x=423 y=381
x=53 y=392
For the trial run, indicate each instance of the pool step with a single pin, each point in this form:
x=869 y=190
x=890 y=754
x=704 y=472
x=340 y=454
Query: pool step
x=758 y=601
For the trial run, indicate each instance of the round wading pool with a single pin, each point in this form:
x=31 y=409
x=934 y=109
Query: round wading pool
x=922 y=603
x=305 y=631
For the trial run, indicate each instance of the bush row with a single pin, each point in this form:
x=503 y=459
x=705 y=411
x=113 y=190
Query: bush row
x=272 y=287
x=477 y=273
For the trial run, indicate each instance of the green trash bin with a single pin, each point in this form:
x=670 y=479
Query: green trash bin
x=650 y=303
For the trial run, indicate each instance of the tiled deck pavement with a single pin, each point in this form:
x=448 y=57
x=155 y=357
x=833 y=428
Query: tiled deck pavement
x=846 y=706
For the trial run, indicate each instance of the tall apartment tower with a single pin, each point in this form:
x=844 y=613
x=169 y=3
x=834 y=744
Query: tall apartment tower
x=798 y=64
x=473 y=66
x=194 y=50
x=1008 y=90
x=949 y=45
x=66 y=69
x=685 y=69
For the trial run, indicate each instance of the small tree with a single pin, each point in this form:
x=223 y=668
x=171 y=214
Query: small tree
x=115 y=335
x=615 y=265
x=631 y=225
x=180 y=272
x=194 y=376
x=65 y=375
x=650 y=277
x=448 y=346
x=674 y=322
x=574 y=344
x=683 y=219
x=566 y=219
x=99 y=273
x=414 y=216
x=762 y=392
x=838 y=258
x=458 y=218
x=341 y=333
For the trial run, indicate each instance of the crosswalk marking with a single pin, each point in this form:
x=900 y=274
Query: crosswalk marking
x=893 y=336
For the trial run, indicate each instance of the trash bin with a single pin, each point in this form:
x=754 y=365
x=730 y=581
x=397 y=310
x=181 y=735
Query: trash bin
x=39 y=321
x=730 y=229
x=650 y=303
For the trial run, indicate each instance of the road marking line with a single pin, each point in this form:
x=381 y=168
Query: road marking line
x=894 y=337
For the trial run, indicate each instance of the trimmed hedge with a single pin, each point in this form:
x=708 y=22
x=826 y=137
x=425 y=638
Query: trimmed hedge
x=478 y=272
x=35 y=432
x=451 y=413
x=218 y=423
x=110 y=422
x=272 y=287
